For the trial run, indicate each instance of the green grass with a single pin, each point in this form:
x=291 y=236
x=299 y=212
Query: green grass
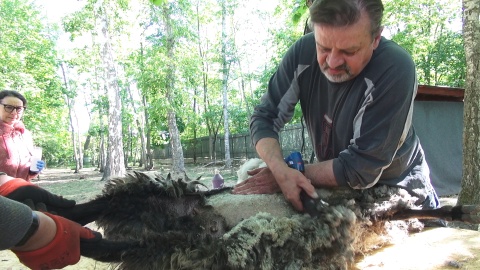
x=78 y=190
x=70 y=186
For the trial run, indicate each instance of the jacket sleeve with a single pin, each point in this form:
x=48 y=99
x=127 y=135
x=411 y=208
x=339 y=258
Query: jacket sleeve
x=277 y=105
x=25 y=170
x=14 y=222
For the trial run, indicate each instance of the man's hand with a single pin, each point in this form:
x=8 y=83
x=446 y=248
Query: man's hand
x=35 y=197
x=291 y=182
x=261 y=181
x=63 y=250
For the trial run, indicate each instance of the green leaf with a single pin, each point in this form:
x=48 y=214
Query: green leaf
x=157 y=2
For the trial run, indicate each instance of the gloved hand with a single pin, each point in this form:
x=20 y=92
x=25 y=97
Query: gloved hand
x=35 y=197
x=40 y=166
x=63 y=250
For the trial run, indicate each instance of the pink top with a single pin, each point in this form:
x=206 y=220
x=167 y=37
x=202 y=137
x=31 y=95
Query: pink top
x=16 y=144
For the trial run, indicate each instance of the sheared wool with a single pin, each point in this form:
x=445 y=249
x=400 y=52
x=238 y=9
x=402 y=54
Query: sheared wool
x=249 y=164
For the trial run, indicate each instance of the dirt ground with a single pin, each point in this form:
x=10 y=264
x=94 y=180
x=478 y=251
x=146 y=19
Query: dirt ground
x=454 y=247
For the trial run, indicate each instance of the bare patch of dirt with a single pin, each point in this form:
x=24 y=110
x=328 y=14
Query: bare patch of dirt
x=433 y=249
x=439 y=248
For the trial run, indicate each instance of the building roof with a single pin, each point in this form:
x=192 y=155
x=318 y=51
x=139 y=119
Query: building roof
x=439 y=93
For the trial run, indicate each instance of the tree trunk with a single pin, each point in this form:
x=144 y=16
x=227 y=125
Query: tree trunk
x=148 y=153
x=178 y=162
x=86 y=145
x=70 y=104
x=141 y=131
x=225 y=70
x=470 y=193
x=79 y=154
x=101 y=156
x=145 y=155
x=115 y=165
x=208 y=120
x=195 y=112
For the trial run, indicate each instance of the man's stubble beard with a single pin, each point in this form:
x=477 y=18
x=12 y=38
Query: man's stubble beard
x=343 y=77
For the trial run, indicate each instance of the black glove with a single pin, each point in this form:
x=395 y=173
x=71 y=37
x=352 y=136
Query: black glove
x=35 y=197
x=42 y=200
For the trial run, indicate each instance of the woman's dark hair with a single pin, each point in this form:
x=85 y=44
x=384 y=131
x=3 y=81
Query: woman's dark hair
x=11 y=93
x=346 y=12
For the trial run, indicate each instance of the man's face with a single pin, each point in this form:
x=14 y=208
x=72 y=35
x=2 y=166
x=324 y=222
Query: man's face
x=343 y=52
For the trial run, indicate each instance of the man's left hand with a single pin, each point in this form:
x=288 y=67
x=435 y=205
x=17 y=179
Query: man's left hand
x=264 y=182
x=261 y=181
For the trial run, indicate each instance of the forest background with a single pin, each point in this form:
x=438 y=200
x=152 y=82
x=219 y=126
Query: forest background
x=111 y=80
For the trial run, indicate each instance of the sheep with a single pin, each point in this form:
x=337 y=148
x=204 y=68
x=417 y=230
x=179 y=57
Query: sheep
x=248 y=165
x=163 y=223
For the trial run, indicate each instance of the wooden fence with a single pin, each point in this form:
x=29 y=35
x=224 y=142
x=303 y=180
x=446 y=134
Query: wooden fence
x=292 y=138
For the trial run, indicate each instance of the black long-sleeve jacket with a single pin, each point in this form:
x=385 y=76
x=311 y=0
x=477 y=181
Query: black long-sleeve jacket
x=364 y=124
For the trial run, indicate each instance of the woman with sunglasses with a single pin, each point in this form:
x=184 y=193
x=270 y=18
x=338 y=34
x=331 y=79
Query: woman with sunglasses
x=16 y=143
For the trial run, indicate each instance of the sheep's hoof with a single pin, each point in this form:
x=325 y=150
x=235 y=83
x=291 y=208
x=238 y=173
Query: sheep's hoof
x=466 y=213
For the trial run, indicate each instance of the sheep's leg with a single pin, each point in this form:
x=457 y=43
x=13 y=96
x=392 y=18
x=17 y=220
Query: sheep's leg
x=83 y=213
x=464 y=213
x=106 y=250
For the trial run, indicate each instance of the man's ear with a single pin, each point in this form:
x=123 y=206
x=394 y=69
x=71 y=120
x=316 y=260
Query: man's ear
x=377 y=37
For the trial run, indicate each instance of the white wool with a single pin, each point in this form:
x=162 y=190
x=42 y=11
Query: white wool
x=249 y=165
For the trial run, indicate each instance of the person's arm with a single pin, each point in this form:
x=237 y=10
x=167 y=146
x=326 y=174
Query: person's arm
x=14 y=222
x=269 y=151
x=41 y=240
x=24 y=143
x=35 y=197
x=321 y=174
x=20 y=225
x=276 y=109
x=277 y=106
x=44 y=234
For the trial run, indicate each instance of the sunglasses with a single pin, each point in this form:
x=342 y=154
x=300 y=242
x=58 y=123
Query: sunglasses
x=10 y=108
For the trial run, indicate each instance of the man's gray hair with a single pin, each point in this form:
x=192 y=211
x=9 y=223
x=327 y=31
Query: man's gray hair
x=346 y=12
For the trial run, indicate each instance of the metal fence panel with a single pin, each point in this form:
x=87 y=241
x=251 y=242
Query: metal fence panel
x=292 y=138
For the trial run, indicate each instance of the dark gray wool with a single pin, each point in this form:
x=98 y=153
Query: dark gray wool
x=178 y=226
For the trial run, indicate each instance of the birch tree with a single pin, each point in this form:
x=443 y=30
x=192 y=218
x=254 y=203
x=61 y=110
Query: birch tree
x=470 y=193
x=168 y=37
x=97 y=19
x=225 y=71
x=178 y=162
x=115 y=165
x=75 y=135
